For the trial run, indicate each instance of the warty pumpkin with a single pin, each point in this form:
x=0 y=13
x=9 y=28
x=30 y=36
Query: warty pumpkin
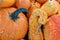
x=52 y=28
x=34 y=6
x=51 y=7
x=6 y=3
x=23 y=3
x=36 y=20
x=13 y=24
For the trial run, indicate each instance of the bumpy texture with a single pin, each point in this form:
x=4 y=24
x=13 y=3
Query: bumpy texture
x=34 y=6
x=52 y=28
x=37 y=18
x=51 y=7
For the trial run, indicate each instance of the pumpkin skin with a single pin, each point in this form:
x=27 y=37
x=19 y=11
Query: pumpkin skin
x=32 y=0
x=59 y=10
x=34 y=6
x=58 y=1
x=52 y=28
x=12 y=30
x=51 y=7
x=23 y=3
x=6 y=3
x=41 y=1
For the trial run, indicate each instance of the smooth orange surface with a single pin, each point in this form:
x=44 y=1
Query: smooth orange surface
x=41 y=1
x=23 y=3
x=52 y=28
x=6 y=3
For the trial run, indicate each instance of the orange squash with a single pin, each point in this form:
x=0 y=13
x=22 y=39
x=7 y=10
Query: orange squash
x=33 y=7
x=52 y=28
x=32 y=0
x=13 y=24
x=59 y=10
x=6 y=3
x=41 y=1
x=51 y=7
x=23 y=3
x=58 y=1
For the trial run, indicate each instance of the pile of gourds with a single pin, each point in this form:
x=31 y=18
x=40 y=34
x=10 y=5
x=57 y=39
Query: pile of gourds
x=40 y=18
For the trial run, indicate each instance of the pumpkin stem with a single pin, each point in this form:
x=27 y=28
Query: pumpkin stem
x=14 y=15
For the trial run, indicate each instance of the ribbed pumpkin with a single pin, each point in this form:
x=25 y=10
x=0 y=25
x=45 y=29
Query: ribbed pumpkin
x=51 y=7
x=23 y=3
x=41 y=1
x=13 y=24
x=33 y=7
x=6 y=3
x=52 y=28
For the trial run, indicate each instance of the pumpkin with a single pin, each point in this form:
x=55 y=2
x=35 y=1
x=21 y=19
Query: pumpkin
x=51 y=7
x=58 y=1
x=23 y=3
x=59 y=10
x=36 y=20
x=52 y=28
x=32 y=0
x=41 y=1
x=13 y=24
x=33 y=7
x=6 y=3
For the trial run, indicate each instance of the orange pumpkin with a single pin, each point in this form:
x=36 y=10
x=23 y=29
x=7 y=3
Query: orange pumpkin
x=13 y=24
x=59 y=10
x=51 y=7
x=6 y=3
x=41 y=1
x=52 y=28
x=58 y=1
x=23 y=3
x=32 y=0
x=33 y=7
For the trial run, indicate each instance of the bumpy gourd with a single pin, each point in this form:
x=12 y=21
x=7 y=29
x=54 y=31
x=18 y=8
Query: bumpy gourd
x=34 y=6
x=51 y=7
x=36 y=20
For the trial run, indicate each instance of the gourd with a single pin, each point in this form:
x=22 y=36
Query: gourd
x=36 y=20
x=34 y=6
x=50 y=7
